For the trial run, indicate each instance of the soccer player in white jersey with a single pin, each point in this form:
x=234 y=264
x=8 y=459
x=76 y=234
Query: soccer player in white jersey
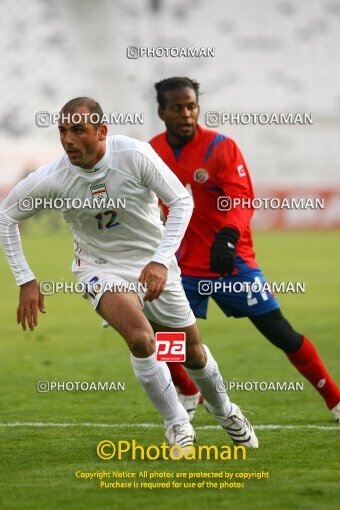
x=123 y=247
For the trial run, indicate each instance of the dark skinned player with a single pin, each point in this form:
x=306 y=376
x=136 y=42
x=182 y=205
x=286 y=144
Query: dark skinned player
x=217 y=245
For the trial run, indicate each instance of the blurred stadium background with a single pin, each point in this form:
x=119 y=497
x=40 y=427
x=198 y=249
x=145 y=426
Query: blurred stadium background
x=270 y=56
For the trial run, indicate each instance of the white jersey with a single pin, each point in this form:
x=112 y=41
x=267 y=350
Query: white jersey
x=129 y=232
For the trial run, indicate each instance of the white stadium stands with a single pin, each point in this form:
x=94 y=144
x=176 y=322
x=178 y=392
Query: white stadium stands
x=271 y=56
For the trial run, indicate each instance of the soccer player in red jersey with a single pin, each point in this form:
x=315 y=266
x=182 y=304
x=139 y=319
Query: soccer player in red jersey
x=217 y=249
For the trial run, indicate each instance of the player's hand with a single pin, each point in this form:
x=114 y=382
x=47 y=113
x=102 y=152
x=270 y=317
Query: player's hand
x=154 y=276
x=30 y=302
x=223 y=251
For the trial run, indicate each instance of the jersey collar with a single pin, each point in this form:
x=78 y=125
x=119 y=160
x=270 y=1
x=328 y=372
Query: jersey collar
x=177 y=150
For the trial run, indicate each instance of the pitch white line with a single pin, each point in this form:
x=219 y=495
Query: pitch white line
x=156 y=425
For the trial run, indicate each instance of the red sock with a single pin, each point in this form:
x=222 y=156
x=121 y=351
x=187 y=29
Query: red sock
x=308 y=363
x=181 y=379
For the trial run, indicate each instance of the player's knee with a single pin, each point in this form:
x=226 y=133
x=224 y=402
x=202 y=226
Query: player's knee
x=275 y=327
x=141 y=343
x=195 y=356
x=293 y=342
x=285 y=337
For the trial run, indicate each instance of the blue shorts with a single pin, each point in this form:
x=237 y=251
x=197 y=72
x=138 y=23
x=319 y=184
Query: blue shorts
x=238 y=296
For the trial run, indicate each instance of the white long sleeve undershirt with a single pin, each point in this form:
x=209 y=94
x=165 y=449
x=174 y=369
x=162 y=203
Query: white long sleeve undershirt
x=129 y=169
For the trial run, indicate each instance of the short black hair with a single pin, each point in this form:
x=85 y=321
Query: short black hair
x=175 y=83
x=93 y=106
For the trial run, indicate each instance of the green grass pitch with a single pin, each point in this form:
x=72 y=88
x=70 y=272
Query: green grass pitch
x=38 y=464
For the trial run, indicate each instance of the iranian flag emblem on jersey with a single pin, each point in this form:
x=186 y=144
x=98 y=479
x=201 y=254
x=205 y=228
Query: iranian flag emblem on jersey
x=99 y=193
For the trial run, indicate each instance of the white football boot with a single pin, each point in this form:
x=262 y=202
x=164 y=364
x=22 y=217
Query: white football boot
x=336 y=412
x=181 y=435
x=238 y=427
x=190 y=403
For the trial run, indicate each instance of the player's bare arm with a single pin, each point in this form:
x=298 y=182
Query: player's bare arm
x=154 y=276
x=30 y=302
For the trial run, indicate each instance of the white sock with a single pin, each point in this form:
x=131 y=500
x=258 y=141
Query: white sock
x=206 y=380
x=156 y=380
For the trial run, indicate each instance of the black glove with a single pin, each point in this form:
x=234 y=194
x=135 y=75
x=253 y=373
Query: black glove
x=223 y=251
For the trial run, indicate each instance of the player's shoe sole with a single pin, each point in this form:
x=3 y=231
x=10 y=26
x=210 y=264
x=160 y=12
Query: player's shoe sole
x=190 y=403
x=336 y=412
x=180 y=436
x=238 y=427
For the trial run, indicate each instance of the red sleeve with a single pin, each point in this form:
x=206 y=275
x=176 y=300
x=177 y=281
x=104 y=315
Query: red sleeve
x=236 y=183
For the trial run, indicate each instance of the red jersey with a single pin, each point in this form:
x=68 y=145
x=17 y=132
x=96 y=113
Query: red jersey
x=210 y=166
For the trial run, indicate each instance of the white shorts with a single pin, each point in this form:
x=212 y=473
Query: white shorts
x=171 y=309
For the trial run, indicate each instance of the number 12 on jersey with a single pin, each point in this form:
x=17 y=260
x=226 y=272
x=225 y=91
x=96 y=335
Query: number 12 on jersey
x=111 y=220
